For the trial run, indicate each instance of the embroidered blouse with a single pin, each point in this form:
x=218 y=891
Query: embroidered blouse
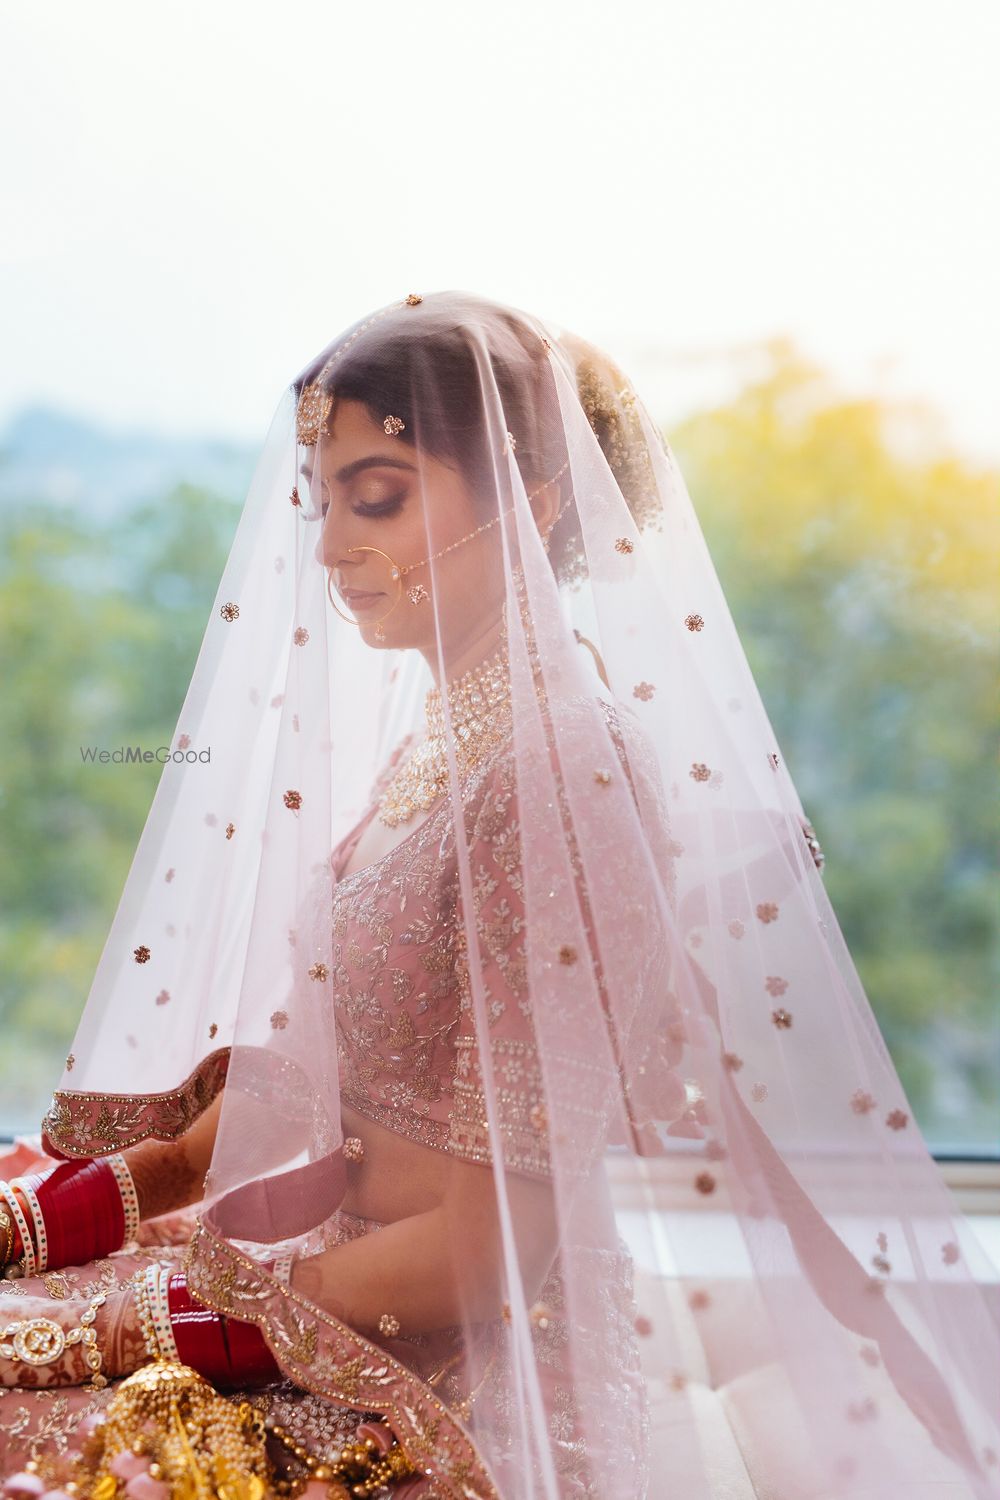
x=406 y=1037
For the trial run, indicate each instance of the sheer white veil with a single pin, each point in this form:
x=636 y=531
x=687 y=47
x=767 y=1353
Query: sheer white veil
x=630 y=1005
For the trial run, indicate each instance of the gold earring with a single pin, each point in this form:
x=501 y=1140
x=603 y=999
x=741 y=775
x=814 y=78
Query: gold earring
x=547 y=535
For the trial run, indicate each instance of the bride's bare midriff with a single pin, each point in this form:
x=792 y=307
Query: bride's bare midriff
x=396 y=1177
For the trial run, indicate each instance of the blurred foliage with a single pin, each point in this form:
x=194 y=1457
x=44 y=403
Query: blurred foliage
x=860 y=570
x=100 y=627
x=861 y=573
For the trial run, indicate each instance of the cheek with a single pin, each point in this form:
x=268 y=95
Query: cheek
x=474 y=581
x=401 y=536
x=409 y=534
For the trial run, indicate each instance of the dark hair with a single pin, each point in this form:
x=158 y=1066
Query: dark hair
x=424 y=363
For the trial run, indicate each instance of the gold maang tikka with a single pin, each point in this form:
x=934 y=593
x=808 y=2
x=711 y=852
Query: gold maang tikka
x=417 y=593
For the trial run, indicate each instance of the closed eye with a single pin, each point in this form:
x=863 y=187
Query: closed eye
x=380 y=508
x=385 y=507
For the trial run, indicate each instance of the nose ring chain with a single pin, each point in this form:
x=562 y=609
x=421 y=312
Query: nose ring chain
x=417 y=592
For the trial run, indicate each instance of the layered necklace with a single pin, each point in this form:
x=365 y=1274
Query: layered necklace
x=480 y=719
x=480 y=706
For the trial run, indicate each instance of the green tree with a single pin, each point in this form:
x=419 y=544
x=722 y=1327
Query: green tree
x=100 y=629
x=860 y=571
x=858 y=560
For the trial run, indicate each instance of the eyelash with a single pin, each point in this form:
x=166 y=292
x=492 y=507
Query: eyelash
x=383 y=508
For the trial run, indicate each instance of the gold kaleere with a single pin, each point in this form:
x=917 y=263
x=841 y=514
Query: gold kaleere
x=168 y=1422
x=198 y=1444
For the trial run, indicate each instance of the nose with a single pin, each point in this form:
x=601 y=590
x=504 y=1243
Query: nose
x=331 y=550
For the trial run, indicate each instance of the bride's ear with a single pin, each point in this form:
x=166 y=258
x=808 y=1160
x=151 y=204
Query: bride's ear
x=545 y=504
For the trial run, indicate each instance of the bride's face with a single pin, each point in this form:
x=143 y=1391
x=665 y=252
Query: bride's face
x=375 y=490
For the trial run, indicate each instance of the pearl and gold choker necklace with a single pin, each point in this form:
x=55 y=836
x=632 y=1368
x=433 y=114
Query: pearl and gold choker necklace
x=479 y=704
x=481 y=712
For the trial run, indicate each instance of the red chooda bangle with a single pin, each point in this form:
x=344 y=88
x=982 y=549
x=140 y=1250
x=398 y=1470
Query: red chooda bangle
x=76 y=1211
x=232 y=1355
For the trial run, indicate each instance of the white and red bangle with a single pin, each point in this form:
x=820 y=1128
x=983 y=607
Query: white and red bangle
x=130 y=1201
x=81 y=1211
x=17 y=1212
x=282 y=1268
x=167 y=1341
x=156 y=1276
x=41 y=1238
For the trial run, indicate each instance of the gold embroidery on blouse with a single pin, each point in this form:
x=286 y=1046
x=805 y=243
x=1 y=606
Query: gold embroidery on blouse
x=409 y=1058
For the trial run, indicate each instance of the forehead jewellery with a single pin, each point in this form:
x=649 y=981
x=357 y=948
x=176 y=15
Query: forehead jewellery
x=417 y=592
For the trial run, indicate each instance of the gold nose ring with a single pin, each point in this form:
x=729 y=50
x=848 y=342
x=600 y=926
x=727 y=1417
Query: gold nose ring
x=394 y=574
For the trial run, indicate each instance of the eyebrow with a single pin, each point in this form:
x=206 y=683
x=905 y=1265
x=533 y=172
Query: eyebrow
x=372 y=461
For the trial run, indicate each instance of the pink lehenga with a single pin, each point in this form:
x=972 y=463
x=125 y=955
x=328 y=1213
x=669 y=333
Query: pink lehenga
x=401 y=998
x=596 y=996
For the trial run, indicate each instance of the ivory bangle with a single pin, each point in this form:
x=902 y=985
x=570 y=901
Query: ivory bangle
x=130 y=1199
x=10 y=1198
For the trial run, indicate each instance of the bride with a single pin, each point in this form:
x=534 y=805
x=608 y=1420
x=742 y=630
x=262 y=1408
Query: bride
x=473 y=1002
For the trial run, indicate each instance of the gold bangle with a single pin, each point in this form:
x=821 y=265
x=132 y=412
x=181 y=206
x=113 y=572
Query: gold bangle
x=40 y=1341
x=7 y=1228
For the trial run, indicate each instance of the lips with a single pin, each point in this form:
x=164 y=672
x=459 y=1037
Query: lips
x=358 y=598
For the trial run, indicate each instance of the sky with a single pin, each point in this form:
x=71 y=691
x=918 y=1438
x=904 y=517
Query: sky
x=198 y=197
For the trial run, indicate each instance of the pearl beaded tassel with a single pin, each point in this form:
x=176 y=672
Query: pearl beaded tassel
x=141 y=1298
x=141 y=1424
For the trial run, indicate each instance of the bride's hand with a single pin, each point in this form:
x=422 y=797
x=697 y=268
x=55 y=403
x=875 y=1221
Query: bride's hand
x=60 y=1338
